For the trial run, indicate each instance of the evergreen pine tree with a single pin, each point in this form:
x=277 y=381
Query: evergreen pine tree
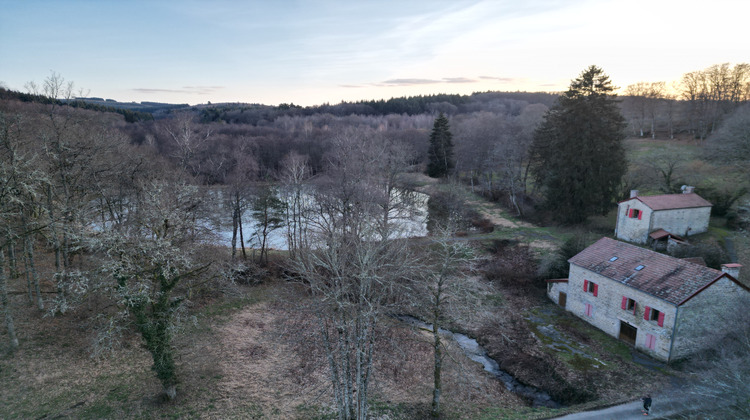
x=577 y=154
x=440 y=154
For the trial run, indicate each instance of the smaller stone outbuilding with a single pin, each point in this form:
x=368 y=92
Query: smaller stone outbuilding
x=664 y=306
x=639 y=218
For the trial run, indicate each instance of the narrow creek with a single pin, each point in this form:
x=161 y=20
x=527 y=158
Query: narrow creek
x=477 y=353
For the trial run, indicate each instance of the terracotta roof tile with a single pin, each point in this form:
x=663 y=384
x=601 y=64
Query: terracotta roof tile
x=662 y=276
x=673 y=201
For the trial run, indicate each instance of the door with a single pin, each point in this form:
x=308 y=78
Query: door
x=563 y=299
x=628 y=333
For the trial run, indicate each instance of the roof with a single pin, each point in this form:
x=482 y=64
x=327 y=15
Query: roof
x=662 y=234
x=671 y=279
x=672 y=201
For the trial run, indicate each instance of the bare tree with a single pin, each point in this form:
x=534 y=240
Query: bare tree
x=355 y=274
x=188 y=139
x=443 y=288
x=295 y=173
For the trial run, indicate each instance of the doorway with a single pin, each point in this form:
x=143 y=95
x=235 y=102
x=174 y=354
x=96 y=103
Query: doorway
x=563 y=299
x=628 y=333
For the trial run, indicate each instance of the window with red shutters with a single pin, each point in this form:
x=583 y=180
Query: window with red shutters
x=628 y=304
x=591 y=287
x=652 y=314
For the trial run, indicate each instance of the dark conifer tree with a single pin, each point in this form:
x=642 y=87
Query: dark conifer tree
x=440 y=161
x=577 y=154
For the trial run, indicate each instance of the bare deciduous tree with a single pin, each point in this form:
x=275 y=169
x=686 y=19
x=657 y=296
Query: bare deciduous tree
x=354 y=273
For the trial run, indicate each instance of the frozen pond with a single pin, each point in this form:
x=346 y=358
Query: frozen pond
x=408 y=223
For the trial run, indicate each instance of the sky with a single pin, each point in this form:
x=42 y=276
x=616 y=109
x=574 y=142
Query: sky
x=310 y=52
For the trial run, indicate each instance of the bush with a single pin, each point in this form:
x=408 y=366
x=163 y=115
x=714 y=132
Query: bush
x=712 y=253
x=513 y=265
x=556 y=265
x=446 y=208
x=723 y=199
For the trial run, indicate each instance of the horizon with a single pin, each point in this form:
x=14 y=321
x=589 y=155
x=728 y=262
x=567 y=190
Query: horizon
x=312 y=53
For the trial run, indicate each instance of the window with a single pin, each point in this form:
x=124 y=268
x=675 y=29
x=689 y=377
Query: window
x=589 y=309
x=628 y=304
x=635 y=214
x=591 y=287
x=613 y=259
x=650 y=341
x=651 y=314
x=640 y=267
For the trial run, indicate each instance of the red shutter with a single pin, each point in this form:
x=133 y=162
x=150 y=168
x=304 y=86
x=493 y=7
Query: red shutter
x=661 y=319
x=630 y=213
x=640 y=215
x=624 y=302
x=646 y=313
x=596 y=289
x=585 y=285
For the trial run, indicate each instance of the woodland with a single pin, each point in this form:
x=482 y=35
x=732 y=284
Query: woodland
x=136 y=254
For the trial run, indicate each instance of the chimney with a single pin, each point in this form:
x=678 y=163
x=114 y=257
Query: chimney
x=688 y=189
x=732 y=269
x=633 y=193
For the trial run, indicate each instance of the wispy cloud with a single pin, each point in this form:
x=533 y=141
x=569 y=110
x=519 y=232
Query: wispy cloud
x=458 y=80
x=416 y=81
x=407 y=82
x=190 y=90
x=500 y=79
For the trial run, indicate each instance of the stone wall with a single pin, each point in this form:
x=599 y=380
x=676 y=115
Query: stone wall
x=704 y=319
x=554 y=289
x=683 y=222
x=607 y=310
x=633 y=229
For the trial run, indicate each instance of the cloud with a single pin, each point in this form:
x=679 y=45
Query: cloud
x=415 y=82
x=190 y=90
x=500 y=79
x=407 y=82
x=458 y=80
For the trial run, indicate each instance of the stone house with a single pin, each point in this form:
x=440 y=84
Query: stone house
x=666 y=307
x=644 y=218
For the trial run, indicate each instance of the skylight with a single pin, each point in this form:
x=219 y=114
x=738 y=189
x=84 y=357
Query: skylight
x=613 y=259
x=640 y=267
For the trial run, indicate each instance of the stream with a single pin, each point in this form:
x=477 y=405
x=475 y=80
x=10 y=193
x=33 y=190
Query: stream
x=477 y=353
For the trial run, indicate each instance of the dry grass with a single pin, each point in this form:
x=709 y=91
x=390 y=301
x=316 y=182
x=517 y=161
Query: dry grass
x=252 y=356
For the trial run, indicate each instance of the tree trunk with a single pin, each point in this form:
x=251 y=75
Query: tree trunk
x=235 y=226
x=438 y=368
x=34 y=275
x=9 y=325
x=242 y=238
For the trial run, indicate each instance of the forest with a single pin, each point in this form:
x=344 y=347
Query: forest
x=140 y=250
